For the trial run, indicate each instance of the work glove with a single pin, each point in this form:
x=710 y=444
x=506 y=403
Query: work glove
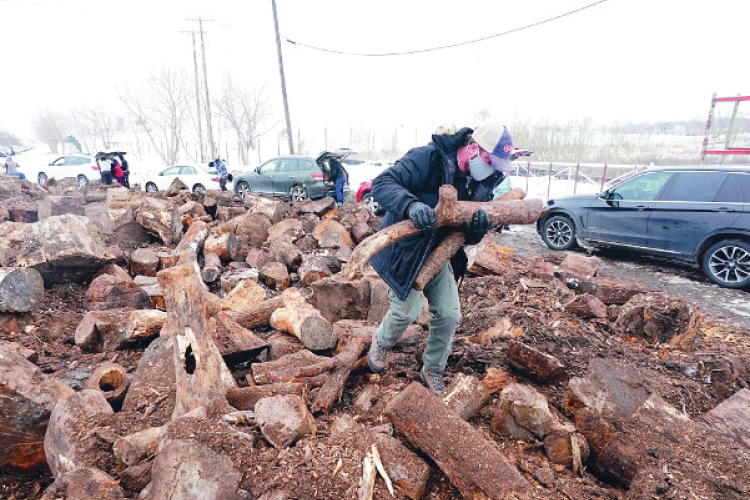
x=422 y=216
x=477 y=228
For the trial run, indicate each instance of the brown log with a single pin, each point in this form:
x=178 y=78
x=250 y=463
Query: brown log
x=102 y=331
x=659 y=318
x=275 y=275
x=244 y=398
x=236 y=344
x=466 y=395
x=272 y=207
x=144 y=324
x=437 y=259
x=211 y=268
x=27 y=397
x=21 y=289
x=318 y=207
x=263 y=373
x=313 y=269
x=611 y=291
x=448 y=212
x=566 y=447
x=202 y=377
x=307 y=324
x=137 y=447
x=152 y=389
x=286 y=252
x=112 y=380
x=193 y=239
x=84 y=483
x=143 y=262
x=332 y=234
x=331 y=391
x=732 y=417
x=109 y=291
x=580 y=266
x=361 y=231
x=472 y=462
x=260 y=314
x=337 y=298
x=161 y=218
x=587 y=306
x=224 y=245
x=151 y=286
x=488 y=258
x=540 y=366
x=246 y=294
x=59 y=205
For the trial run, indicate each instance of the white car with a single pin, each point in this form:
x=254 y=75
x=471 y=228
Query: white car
x=196 y=177
x=83 y=168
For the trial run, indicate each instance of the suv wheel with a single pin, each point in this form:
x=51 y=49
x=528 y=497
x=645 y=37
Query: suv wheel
x=82 y=181
x=559 y=233
x=728 y=263
x=198 y=187
x=298 y=193
x=242 y=189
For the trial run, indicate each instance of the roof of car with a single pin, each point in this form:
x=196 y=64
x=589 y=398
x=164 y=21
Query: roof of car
x=703 y=168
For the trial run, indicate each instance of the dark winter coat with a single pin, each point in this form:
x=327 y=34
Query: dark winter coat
x=337 y=171
x=417 y=176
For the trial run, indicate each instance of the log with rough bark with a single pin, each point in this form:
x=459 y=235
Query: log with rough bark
x=313 y=269
x=211 y=268
x=473 y=463
x=144 y=324
x=307 y=324
x=361 y=231
x=260 y=314
x=193 y=238
x=275 y=275
x=732 y=417
x=224 y=245
x=466 y=395
x=202 y=377
x=272 y=207
x=437 y=259
x=580 y=266
x=286 y=252
x=338 y=298
x=609 y=290
x=276 y=370
x=236 y=343
x=102 y=331
x=21 y=289
x=161 y=218
x=144 y=262
x=448 y=212
x=115 y=290
x=587 y=306
x=488 y=258
x=244 y=398
x=27 y=397
x=540 y=366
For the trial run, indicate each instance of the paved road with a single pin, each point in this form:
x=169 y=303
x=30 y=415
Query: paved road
x=675 y=278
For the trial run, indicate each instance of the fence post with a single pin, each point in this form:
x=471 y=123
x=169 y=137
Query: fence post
x=575 y=184
x=549 y=179
x=604 y=176
x=528 y=169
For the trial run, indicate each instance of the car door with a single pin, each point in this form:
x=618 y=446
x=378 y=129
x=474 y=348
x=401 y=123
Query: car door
x=166 y=177
x=264 y=179
x=189 y=175
x=74 y=166
x=621 y=215
x=284 y=176
x=56 y=168
x=688 y=211
x=309 y=174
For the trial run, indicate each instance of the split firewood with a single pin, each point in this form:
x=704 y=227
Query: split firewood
x=112 y=380
x=457 y=448
x=211 y=268
x=367 y=483
x=193 y=238
x=245 y=294
x=21 y=289
x=284 y=419
x=224 y=245
x=260 y=314
x=202 y=377
x=307 y=324
x=466 y=395
x=538 y=365
x=236 y=344
x=449 y=212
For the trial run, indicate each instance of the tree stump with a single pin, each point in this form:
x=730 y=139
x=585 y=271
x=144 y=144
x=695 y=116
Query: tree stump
x=659 y=318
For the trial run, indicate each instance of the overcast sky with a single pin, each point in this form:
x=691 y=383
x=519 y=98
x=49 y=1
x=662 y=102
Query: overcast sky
x=621 y=60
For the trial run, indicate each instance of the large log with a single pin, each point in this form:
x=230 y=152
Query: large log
x=27 y=397
x=472 y=462
x=161 y=218
x=202 y=377
x=62 y=248
x=21 y=289
x=193 y=238
x=437 y=259
x=732 y=417
x=307 y=324
x=235 y=343
x=448 y=212
x=260 y=314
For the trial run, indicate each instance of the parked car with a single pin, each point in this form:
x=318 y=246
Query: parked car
x=700 y=215
x=81 y=167
x=294 y=178
x=364 y=195
x=195 y=177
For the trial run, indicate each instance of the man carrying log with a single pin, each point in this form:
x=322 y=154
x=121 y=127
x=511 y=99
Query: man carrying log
x=472 y=162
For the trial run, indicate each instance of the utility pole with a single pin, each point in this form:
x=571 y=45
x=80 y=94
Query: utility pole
x=197 y=98
x=289 y=135
x=209 y=127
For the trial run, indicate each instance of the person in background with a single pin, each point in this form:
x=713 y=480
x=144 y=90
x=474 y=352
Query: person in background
x=472 y=161
x=338 y=177
x=118 y=172
x=12 y=166
x=221 y=171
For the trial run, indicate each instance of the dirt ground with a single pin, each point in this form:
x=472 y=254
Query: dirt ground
x=703 y=464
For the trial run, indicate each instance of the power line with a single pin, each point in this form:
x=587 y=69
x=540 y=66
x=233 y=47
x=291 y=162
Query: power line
x=443 y=47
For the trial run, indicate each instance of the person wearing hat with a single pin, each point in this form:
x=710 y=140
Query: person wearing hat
x=221 y=171
x=473 y=161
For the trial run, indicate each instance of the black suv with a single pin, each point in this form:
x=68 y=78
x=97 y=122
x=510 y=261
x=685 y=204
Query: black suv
x=699 y=214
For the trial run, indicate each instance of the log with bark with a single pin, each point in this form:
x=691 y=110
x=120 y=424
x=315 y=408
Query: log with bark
x=211 y=268
x=306 y=323
x=260 y=314
x=112 y=380
x=473 y=463
x=202 y=377
x=538 y=365
x=448 y=212
x=236 y=344
x=194 y=238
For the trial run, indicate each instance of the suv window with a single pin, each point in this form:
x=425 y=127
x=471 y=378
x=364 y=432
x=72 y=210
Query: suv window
x=695 y=186
x=305 y=166
x=286 y=166
x=268 y=167
x=734 y=186
x=645 y=187
x=742 y=181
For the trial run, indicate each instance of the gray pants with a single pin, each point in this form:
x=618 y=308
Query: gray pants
x=442 y=297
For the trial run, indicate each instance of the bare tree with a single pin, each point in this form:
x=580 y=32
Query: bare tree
x=245 y=110
x=95 y=125
x=160 y=109
x=8 y=139
x=51 y=127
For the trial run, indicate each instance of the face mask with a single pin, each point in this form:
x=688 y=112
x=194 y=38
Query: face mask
x=479 y=169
